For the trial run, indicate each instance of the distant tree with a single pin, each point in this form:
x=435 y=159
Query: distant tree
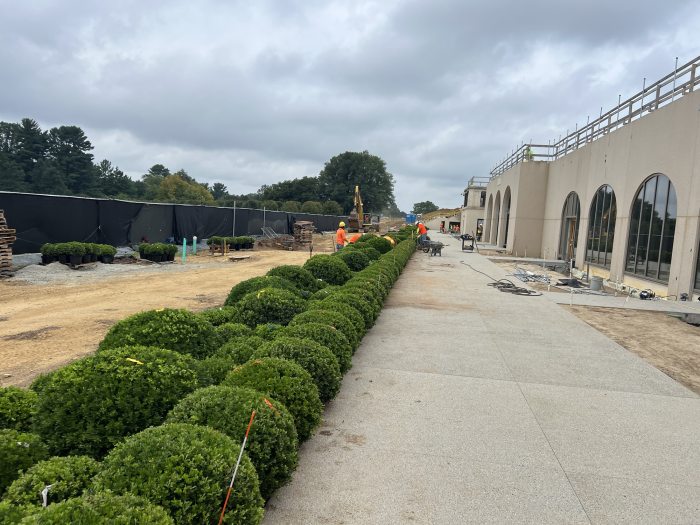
x=152 y=180
x=343 y=172
x=293 y=206
x=251 y=203
x=174 y=188
x=46 y=177
x=11 y=175
x=312 y=207
x=219 y=191
x=114 y=182
x=424 y=207
x=270 y=205
x=332 y=208
x=303 y=189
x=68 y=148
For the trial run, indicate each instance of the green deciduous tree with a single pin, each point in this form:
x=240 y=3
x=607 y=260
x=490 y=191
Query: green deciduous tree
x=343 y=172
x=332 y=208
x=292 y=206
x=312 y=207
x=424 y=207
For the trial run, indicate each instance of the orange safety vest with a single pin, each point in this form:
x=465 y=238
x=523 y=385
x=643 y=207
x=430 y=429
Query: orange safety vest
x=355 y=238
x=340 y=237
x=422 y=229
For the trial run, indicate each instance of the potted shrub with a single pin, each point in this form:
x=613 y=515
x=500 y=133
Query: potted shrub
x=107 y=253
x=170 y=252
x=62 y=251
x=246 y=243
x=76 y=252
x=236 y=242
x=48 y=253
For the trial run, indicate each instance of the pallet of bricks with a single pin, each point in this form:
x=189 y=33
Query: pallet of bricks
x=303 y=233
x=7 y=237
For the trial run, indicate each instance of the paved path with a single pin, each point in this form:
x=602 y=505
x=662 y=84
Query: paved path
x=468 y=405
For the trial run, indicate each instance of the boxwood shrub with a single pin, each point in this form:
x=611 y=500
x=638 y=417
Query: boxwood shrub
x=378 y=243
x=18 y=451
x=68 y=476
x=351 y=315
x=17 y=408
x=91 y=404
x=220 y=315
x=329 y=269
x=267 y=331
x=324 y=292
x=367 y=309
x=254 y=284
x=270 y=305
x=330 y=318
x=177 y=330
x=328 y=336
x=313 y=357
x=102 y=508
x=213 y=369
x=301 y=277
x=372 y=253
x=228 y=331
x=185 y=469
x=272 y=444
x=288 y=383
x=356 y=260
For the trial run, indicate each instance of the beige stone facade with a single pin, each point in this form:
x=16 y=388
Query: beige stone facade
x=531 y=209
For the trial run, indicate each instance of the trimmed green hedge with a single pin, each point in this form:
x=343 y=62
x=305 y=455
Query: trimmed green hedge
x=18 y=451
x=270 y=305
x=301 y=277
x=288 y=383
x=177 y=330
x=367 y=309
x=355 y=259
x=267 y=331
x=328 y=336
x=272 y=444
x=214 y=369
x=185 y=469
x=348 y=312
x=17 y=408
x=330 y=318
x=102 y=508
x=378 y=243
x=68 y=477
x=221 y=315
x=329 y=269
x=313 y=357
x=228 y=331
x=90 y=405
x=254 y=284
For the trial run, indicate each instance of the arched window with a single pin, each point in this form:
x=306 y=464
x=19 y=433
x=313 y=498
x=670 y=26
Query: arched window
x=570 y=217
x=652 y=226
x=601 y=227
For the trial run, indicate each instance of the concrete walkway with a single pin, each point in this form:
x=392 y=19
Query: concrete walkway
x=469 y=405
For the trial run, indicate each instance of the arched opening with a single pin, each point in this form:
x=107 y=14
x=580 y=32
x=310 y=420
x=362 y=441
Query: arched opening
x=505 y=219
x=570 y=218
x=652 y=228
x=495 y=220
x=487 y=225
x=601 y=227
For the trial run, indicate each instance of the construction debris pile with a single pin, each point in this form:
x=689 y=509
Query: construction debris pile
x=7 y=237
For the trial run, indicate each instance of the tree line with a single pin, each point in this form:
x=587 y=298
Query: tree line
x=59 y=162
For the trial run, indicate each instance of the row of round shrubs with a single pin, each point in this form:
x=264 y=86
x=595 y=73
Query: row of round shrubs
x=283 y=366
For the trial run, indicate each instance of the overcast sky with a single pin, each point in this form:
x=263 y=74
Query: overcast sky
x=253 y=92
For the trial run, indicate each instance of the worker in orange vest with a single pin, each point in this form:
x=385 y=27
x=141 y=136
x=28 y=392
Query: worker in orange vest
x=354 y=238
x=341 y=238
x=422 y=231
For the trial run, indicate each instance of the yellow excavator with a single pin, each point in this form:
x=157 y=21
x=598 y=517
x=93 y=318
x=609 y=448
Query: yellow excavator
x=358 y=221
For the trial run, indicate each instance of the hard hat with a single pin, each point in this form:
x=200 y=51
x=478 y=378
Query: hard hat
x=342 y=224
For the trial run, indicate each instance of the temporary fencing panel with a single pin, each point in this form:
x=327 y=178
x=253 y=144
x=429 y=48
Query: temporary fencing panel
x=39 y=219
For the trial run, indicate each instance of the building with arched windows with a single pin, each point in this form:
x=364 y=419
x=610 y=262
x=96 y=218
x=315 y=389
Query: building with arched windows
x=620 y=197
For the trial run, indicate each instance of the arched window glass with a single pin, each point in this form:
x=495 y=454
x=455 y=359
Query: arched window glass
x=652 y=227
x=568 y=236
x=601 y=227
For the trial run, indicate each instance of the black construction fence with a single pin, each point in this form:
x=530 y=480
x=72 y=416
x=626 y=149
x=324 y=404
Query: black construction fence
x=39 y=219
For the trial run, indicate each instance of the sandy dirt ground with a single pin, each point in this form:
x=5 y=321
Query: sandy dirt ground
x=669 y=344
x=45 y=326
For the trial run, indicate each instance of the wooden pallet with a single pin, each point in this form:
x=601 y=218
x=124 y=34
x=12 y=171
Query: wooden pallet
x=7 y=237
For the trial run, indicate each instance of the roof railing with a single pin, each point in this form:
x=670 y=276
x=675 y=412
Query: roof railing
x=682 y=80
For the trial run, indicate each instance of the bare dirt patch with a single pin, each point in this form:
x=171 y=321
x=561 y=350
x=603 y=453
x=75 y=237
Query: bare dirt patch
x=62 y=316
x=669 y=344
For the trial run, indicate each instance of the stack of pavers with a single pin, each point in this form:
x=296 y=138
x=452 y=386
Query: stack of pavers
x=303 y=232
x=7 y=237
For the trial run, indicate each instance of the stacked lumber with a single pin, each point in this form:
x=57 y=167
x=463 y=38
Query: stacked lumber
x=7 y=237
x=303 y=232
